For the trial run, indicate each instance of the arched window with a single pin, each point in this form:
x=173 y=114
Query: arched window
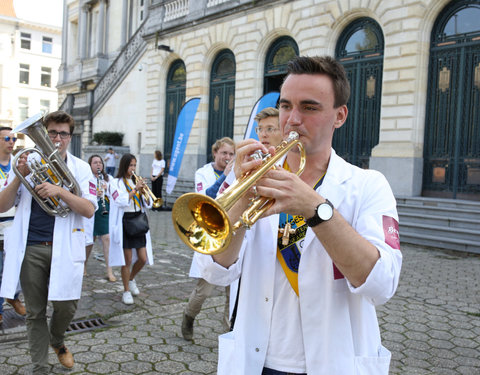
x=360 y=50
x=174 y=100
x=222 y=98
x=452 y=125
x=279 y=54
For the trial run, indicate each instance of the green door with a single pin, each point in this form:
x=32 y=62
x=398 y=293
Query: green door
x=222 y=99
x=360 y=50
x=452 y=125
x=175 y=98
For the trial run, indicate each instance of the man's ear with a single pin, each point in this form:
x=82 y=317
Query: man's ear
x=342 y=113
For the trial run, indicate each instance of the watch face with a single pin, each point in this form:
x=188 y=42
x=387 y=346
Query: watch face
x=325 y=211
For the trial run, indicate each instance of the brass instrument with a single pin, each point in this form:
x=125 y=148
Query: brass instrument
x=101 y=188
x=52 y=169
x=147 y=193
x=203 y=223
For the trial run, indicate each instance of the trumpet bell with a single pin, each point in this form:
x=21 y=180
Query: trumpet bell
x=201 y=223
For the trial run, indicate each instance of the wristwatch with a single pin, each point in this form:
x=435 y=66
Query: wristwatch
x=323 y=212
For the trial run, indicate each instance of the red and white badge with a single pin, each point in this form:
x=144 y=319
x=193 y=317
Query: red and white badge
x=199 y=187
x=392 y=234
x=92 y=188
x=115 y=195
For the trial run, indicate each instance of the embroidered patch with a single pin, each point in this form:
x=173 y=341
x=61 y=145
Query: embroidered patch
x=115 y=195
x=390 y=229
x=337 y=275
x=77 y=230
x=199 y=186
x=223 y=187
x=92 y=188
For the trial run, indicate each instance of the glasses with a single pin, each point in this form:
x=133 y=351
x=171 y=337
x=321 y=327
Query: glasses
x=8 y=139
x=53 y=134
x=268 y=130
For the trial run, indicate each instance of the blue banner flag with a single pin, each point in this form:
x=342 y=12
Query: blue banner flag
x=182 y=132
x=267 y=100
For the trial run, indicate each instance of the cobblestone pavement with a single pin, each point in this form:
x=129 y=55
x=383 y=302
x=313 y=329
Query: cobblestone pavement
x=432 y=325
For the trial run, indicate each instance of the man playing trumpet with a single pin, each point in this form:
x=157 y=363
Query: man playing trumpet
x=48 y=252
x=308 y=306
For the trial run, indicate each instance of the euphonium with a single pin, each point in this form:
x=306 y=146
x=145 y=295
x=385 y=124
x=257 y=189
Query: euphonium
x=157 y=202
x=52 y=168
x=203 y=223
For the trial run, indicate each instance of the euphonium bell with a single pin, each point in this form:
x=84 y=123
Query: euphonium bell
x=203 y=223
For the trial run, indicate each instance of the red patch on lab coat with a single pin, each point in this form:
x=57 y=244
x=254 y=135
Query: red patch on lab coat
x=115 y=195
x=336 y=273
x=92 y=188
x=390 y=229
x=223 y=187
x=199 y=186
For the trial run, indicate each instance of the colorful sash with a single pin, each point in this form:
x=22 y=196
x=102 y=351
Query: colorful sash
x=291 y=234
x=136 y=196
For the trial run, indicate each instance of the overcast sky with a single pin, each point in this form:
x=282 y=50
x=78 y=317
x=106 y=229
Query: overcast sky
x=49 y=12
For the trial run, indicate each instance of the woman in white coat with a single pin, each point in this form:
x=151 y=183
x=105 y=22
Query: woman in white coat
x=128 y=202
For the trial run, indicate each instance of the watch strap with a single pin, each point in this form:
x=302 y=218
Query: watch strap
x=315 y=219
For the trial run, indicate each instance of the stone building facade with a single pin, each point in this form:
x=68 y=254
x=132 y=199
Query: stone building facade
x=143 y=41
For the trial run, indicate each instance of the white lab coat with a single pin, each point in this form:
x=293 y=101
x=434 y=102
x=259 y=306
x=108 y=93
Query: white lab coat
x=339 y=323
x=119 y=200
x=204 y=178
x=68 y=249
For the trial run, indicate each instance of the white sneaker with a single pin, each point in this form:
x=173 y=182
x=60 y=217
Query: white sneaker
x=132 y=285
x=127 y=298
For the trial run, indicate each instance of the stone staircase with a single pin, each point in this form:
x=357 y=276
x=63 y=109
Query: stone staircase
x=181 y=187
x=442 y=223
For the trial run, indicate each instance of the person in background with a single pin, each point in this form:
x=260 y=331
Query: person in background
x=128 y=201
x=158 y=167
x=321 y=258
x=267 y=129
x=99 y=222
x=208 y=180
x=48 y=252
x=7 y=143
x=110 y=161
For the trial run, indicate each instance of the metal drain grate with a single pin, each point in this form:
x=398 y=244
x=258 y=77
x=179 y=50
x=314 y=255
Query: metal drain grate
x=86 y=325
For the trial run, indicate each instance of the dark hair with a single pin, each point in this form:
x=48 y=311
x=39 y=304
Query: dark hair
x=59 y=117
x=124 y=164
x=323 y=65
x=2 y=128
x=158 y=154
x=105 y=175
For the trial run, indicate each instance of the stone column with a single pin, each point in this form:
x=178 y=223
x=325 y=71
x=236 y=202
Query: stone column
x=82 y=32
x=101 y=26
x=123 y=35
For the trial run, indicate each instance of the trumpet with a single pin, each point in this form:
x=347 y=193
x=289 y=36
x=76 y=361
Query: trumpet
x=52 y=167
x=147 y=193
x=203 y=224
x=101 y=188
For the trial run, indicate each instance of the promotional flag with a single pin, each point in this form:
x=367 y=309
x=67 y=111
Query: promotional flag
x=267 y=100
x=182 y=132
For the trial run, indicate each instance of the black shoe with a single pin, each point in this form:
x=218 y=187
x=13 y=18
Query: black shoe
x=187 y=327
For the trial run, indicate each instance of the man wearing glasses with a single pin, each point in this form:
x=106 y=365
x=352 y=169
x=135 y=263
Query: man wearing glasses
x=48 y=252
x=7 y=143
x=267 y=129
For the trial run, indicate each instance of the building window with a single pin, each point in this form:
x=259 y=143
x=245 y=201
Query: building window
x=24 y=74
x=47 y=44
x=44 y=106
x=25 y=40
x=46 y=78
x=23 y=108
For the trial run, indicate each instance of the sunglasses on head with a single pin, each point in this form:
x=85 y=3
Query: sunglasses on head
x=7 y=138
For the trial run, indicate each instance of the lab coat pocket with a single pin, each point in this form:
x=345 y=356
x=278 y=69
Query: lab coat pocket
x=115 y=235
x=374 y=365
x=226 y=348
x=77 y=245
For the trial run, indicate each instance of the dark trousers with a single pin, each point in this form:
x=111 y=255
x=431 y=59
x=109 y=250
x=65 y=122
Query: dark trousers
x=157 y=187
x=269 y=371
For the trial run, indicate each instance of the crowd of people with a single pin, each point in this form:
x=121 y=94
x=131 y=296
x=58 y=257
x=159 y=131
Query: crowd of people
x=301 y=284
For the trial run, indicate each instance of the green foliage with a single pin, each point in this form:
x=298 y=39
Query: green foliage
x=108 y=138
